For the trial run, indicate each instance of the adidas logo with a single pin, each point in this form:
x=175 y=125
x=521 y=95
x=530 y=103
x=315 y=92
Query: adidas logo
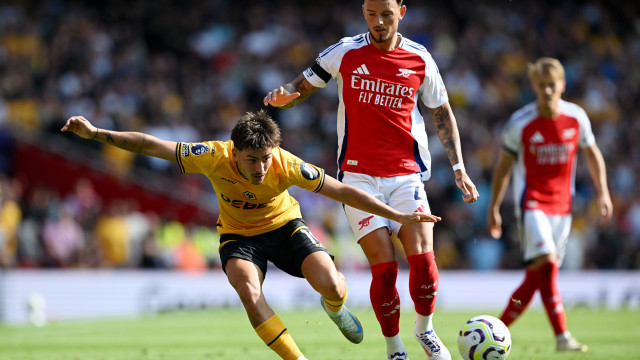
x=362 y=69
x=536 y=138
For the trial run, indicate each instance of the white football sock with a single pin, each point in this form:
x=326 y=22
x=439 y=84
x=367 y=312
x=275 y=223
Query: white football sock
x=394 y=345
x=423 y=323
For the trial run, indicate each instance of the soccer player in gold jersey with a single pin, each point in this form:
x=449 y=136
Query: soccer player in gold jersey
x=259 y=221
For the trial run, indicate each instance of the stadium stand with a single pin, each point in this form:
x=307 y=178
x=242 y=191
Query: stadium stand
x=188 y=70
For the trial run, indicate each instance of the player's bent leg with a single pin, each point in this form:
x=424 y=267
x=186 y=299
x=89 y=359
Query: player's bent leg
x=322 y=275
x=246 y=279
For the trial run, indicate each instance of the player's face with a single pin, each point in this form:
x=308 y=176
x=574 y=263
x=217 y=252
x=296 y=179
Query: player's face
x=382 y=18
x=548 y=89
x=253 y=164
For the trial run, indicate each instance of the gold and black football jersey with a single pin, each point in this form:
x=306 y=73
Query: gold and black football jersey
x=248 y=209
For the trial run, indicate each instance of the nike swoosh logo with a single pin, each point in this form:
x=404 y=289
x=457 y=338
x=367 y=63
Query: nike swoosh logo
x=357 y=324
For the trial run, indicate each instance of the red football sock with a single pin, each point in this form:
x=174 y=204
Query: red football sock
x=521 y=298
x=550 y=294
x=423 y=282
x=384 y=297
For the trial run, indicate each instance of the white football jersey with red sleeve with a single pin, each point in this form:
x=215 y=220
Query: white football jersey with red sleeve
x=546 y=149
x=380 y=128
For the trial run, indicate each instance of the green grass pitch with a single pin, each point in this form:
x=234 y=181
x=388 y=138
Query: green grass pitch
x=226 y=334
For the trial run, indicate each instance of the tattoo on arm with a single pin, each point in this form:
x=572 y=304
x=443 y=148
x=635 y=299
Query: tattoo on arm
x=127 y=141
x=447 y=133
x=301 y=85
x=110 y=139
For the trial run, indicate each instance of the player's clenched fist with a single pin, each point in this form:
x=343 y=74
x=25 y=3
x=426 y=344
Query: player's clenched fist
x=81 y=127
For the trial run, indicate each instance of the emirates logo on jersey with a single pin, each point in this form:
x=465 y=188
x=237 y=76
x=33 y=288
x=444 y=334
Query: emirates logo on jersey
x=381 y=93
x=552 y=154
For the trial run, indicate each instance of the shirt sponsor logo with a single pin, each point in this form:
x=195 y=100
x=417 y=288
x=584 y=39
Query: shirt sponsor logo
x=241 y=204
x=199 y=149
x=382 y=93
x=552 y=154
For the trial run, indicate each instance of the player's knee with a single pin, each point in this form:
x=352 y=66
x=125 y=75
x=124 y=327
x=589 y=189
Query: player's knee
x=333 y=287
x=385 y=274
x=248 y=292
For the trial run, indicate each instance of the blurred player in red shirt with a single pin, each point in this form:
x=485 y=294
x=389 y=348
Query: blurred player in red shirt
x=540 y=143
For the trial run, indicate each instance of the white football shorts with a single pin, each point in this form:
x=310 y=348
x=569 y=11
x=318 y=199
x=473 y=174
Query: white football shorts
x=544 y=234
x=404 y=193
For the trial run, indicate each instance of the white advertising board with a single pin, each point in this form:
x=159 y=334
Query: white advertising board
x=95 y=294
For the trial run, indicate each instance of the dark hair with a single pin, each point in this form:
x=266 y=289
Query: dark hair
x=398 y=1
x=256 y=132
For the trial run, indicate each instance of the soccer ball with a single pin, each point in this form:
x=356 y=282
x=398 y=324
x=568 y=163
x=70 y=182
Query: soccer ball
x=484 y=337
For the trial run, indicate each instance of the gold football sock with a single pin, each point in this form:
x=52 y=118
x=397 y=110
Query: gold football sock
x=335 y=305
x=277 y=337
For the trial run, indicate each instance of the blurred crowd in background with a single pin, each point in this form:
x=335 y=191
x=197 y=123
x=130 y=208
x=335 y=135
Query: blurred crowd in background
x=187 y=70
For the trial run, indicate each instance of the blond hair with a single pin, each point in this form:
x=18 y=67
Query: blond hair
x=546 y=65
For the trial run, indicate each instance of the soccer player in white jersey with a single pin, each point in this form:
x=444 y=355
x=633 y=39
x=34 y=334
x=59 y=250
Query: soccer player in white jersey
x=540 y=143
x=259 y=221
x=382 y=142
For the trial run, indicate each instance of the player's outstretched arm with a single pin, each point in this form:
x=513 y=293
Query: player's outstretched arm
x=447 y=129
x=287 y=96
x=501 y=175
x=360 y=199
x=131 y=141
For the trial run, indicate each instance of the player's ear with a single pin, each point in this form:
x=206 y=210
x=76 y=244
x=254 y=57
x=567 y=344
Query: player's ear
x=403 y=10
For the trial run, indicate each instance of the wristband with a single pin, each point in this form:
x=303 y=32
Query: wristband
x=458 y=166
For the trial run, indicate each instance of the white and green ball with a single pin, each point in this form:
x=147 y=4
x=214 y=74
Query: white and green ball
x=484 y=337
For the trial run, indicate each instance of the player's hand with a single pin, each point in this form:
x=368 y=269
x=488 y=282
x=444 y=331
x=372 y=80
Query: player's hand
x=279 y=97
x=418 y=217
x=464 y=183
x=494 y=223
x=80 y=126
x=606 y=208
